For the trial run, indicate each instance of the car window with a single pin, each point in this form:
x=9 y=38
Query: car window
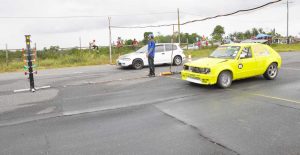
x=159 y=48
x=246 y=53
x=260 y=51
x=169 y=47
x=229 y=52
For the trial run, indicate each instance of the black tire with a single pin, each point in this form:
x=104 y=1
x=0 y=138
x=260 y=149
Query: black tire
x=271 y=72
x=224 y=79
x=177 y=60
x=138 y=64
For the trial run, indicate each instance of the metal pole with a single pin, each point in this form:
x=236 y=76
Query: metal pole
x=178 y=25
x=172 y=41
x=187 y=43
x=287 y=22
x=6 y=54
x=29 y=60
x=80 y=43
x=109 y=28
x=36 y=54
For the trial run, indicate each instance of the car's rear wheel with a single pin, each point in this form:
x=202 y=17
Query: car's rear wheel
x=137 y=64
x=224 y=79
x=177 y=60
x=272 y=72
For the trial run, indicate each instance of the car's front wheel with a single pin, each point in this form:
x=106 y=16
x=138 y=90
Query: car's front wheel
x=224 y=79
x=177 y=60
x=137 y=64
x=271 y=72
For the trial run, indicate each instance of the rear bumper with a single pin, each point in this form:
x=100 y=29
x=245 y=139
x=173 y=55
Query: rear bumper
x=205 y=79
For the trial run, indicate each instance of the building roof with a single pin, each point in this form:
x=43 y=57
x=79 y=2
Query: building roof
x=262 y=36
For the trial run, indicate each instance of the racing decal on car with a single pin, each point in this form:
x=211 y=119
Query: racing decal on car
x=240 y=66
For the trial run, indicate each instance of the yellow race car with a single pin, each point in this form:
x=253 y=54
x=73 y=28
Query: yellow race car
x=232 y=62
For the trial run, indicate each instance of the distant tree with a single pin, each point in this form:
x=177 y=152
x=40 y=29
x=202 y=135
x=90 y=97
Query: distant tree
x=261 y=30
x=247 y=34
x=254 y=32
x=218 y=33
x=128 y=42
x=146 y=34
x=54 y=48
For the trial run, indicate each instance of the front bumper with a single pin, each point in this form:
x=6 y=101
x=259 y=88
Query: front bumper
x=123 y=63
x=205 y=79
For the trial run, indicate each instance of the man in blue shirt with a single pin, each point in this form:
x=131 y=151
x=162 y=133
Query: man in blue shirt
x=150 y=55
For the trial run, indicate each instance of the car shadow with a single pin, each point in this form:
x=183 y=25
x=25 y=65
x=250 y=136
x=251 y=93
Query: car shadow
x=242 y=83
x=131 y=68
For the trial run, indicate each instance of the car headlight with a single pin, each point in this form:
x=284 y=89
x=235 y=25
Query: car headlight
x=206 y=70
x=197 y=69
x=126 y=59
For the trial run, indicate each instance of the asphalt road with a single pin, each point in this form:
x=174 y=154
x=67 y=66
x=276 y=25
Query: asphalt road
x=107 y=110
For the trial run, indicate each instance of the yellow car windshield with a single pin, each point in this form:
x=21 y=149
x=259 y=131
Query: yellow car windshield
x=225 y=52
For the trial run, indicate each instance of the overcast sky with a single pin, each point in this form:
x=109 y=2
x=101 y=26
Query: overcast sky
x=66 y=32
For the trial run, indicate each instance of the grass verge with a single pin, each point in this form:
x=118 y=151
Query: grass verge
x=72 y=58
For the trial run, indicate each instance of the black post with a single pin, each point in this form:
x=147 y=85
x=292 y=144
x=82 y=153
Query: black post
x=287 y=23
x=29 y=60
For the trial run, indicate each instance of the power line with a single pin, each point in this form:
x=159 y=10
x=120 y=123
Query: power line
x=232 y=13
x=204 y=19
x=89 y=16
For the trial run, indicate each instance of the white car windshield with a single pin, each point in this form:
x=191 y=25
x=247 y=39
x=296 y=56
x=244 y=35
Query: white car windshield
x=226 y=52
x=143 y=49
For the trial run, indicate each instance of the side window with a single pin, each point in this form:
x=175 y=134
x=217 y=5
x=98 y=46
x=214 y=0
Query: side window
x=260 y=51
x=169 y=47
x=159 y=48
x=246 y=53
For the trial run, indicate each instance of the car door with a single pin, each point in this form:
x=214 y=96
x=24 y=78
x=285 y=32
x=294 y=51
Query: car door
x=261 y=53
x=168 y=52
x=246 y=64
x=160 y=54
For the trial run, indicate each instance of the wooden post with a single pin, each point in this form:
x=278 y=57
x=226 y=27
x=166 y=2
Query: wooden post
x=6 y=54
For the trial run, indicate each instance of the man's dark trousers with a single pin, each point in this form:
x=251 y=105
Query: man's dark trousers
x=151 y=65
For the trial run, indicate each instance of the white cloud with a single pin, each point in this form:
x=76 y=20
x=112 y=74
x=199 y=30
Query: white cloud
x=65 y=32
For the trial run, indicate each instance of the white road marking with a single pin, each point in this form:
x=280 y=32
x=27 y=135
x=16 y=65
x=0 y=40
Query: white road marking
x=21 y=90
x=261 y=95
x=46 y=111
x=276 y=98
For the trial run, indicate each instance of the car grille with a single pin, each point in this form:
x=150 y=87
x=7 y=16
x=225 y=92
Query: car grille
x=195 y=69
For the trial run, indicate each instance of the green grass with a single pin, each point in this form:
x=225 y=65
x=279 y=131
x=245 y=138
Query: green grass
x=71 y=58
x=204 y=52
x=59 y=59
x=286 y=48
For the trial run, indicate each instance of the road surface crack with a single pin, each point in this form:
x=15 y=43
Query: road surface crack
x=199 y=132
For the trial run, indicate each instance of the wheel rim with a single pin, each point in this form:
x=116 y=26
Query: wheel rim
x=272 y=71
x=177 y=61
x=138 y=65
x=225 y=79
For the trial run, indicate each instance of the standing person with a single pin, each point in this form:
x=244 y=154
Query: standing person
x=135 y=44
x=150 y=54
x=93 y=45
x=199 y=44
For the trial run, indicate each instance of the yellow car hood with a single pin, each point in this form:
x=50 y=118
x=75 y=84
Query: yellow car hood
x=207 y=62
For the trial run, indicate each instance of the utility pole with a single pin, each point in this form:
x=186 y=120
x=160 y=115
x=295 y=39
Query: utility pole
x=36 y=55
x=80 y=43
x=178 y=15
x=287 y=21
x=6 y=54
x=109 y=28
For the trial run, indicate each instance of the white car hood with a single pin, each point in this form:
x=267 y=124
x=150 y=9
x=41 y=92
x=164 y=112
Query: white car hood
x=131 y=55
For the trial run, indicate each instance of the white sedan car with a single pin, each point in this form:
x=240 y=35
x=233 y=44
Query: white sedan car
x=163 y=53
